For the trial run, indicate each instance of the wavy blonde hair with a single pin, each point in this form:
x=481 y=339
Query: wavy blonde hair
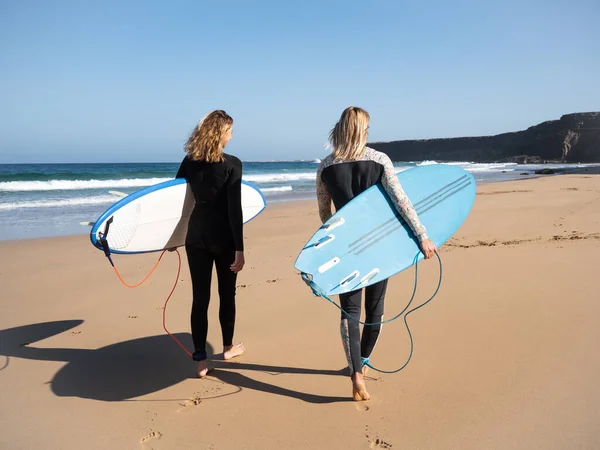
x=349 y=136
x=206 y=141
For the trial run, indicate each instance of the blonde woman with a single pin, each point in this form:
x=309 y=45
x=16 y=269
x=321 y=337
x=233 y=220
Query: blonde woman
x=350 y=169
x=215 y=233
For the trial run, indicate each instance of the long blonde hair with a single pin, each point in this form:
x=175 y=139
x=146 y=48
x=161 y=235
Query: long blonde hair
x=349 y=136
x=206 y=141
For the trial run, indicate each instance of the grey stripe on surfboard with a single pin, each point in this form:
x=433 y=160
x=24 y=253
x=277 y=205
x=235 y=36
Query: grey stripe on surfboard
x=373 y=241
x=374 y=230
x=439 y=192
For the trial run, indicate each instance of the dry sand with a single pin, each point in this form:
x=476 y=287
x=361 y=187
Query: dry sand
x=505 y=356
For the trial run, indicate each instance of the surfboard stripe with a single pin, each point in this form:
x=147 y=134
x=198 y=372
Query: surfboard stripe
x=377 y=236
x=415 y=205
x=447 y=196
x=401 y=223
x=393 y=219
x=439 y=192
x=423 y=202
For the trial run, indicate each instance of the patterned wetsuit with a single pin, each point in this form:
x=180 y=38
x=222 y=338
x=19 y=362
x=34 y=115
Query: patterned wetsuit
x=339 y=182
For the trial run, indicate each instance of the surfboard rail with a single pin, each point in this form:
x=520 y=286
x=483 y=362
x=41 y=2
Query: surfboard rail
x=155 y=218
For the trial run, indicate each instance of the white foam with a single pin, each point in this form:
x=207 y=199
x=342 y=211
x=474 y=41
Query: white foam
x=76 y=185
x=475 y=167
x=278 y=189
x=480 y=167
x=279 y=177
x=82 y=201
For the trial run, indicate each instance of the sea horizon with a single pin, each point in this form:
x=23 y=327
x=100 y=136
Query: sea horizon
x=51 y=199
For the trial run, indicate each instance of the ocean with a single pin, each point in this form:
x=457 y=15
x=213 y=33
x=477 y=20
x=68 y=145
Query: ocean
x=42 y=200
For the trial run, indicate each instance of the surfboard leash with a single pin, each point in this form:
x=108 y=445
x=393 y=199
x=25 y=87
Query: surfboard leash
x=106 y=249
x=164 y=315
x=318 y=292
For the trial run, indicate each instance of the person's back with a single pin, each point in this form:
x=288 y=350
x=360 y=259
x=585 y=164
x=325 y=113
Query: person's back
x=347 y=179
x=215 y=222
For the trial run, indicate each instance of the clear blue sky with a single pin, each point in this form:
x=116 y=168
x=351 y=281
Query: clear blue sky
x=127 y=80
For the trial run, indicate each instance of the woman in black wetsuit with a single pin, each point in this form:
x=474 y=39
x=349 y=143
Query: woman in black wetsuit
x=215 y=232
x=351 y=169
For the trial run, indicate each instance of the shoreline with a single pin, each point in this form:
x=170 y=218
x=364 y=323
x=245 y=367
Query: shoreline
x=283 y=200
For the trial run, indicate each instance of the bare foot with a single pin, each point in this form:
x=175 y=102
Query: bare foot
x=232 y=351
x=202 y=369
x=359 y=390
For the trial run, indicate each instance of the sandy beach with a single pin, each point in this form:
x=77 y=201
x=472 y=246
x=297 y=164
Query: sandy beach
x=505 y=356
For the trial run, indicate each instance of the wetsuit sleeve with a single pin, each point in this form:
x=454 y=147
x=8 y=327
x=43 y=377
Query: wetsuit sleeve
x=181 y=171
x=234 y=204
x=403 y=205
x=323 y=198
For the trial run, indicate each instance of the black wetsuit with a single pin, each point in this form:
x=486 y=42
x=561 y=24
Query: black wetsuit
x=215 y=233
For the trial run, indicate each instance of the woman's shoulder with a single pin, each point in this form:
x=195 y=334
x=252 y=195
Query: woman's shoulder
x=232 y=160
x=325 y=162
x=374 y=155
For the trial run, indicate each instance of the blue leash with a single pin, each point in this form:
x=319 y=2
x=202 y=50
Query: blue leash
x=412 y=345
x=366 y=361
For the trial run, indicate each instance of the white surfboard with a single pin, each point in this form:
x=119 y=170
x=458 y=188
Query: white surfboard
x=156 y=218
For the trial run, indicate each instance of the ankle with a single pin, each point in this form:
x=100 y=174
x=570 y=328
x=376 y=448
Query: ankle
x=357 y=377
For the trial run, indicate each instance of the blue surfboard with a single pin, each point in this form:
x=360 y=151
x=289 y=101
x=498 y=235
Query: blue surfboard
x=367 y=240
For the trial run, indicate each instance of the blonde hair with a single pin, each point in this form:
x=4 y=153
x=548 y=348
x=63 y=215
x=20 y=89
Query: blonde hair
x=349 y=136
x=206 y=141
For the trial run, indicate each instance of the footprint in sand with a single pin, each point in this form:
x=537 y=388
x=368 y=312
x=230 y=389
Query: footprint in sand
x=242 y=286
x=153 y=414
x=151 y=435
x=210 y=392
x=374 y=441
x=379 y=443
x=133 y=317
x=73 y=333
x=274 y=280
x=197 y=398
x=194 y=401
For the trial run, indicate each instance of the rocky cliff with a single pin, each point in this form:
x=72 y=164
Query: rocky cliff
x=573 y=138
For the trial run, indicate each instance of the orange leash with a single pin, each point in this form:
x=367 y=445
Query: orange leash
x=164 y=320
x=147 y=276
x=167 y=301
